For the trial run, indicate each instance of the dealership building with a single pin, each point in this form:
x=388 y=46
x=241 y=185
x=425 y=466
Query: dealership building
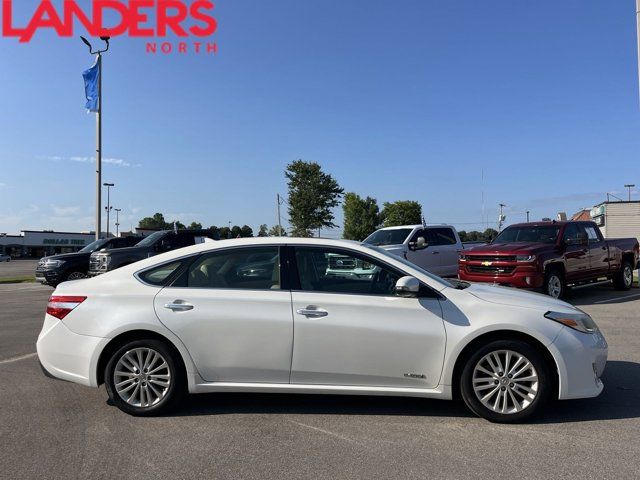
x=36 y=244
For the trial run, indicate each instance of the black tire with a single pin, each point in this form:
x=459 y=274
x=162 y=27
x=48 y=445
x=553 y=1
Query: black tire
x=543 y=387
x=171 y=396
x=74 y=275
x=623 y=279
x=554 y=284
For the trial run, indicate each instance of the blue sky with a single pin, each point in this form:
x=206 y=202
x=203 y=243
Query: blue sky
x=398 y=100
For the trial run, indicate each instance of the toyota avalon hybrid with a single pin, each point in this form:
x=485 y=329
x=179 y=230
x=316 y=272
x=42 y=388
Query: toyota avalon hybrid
x=192 y=320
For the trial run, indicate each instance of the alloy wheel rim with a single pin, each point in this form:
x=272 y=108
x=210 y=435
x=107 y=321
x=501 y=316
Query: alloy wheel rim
x=554 y=286
x=505 y=382
x=142 y=377
x=628 y=276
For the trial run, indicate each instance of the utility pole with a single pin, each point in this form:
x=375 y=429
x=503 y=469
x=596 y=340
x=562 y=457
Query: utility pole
x=108 y=207
x=279 y=202
x=118 y=210
x=98 y=134
x=501 y=218
x=638 y=23
x=630 y=185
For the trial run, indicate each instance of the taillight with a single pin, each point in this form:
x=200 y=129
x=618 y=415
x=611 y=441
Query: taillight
x=61 y=306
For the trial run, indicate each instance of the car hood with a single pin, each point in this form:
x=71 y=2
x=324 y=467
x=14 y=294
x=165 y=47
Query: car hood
x=519 y=247
x=123 y=251
x=65 y=256
x=517 y=298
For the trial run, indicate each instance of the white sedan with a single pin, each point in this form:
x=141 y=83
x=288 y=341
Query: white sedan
x=272 y=315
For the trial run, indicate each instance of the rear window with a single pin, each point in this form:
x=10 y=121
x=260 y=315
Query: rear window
x=159 y=275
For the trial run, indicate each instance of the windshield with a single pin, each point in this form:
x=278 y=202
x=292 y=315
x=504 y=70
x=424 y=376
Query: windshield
x=151 y=239
x=93 y=246
x=397 y=236
x=436 y=278
x=529 y=234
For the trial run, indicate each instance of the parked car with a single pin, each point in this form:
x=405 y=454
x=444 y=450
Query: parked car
x=54 y=269
x=552 y=256
x=5 y=258
x=158 y=242
x=434 y=247
x=191 y=321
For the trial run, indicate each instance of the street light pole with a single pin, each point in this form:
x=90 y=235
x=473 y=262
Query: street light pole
x=108 y=207
x=630 y=185
x=638 y=23
x=527 y=216
x=118 y=210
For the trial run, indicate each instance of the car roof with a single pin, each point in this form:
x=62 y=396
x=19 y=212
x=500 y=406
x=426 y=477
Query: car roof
x=419 y=225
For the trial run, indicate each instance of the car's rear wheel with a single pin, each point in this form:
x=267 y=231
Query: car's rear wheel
x=554 y=284
x=143 y=378
x=623 y=280
x=506 y=381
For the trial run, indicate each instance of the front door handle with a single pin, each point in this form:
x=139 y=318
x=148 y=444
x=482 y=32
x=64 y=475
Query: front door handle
x=435 y=253
x=179 y=306
x=312 y=312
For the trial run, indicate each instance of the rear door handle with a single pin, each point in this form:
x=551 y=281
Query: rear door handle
x=312 y=312
x=179 y=306
x=434 y=253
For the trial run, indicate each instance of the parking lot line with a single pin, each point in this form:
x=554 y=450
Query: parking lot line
x=17 y=359
x=618 y=298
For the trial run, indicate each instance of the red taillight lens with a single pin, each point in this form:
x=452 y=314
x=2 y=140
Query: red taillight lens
x=61 y=306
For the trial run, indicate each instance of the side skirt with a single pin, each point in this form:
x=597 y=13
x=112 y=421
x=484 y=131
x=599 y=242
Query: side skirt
x=442 y=391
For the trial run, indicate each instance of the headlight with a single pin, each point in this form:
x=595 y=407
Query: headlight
x=578 y=321
x=52 y=263
x=525 y=258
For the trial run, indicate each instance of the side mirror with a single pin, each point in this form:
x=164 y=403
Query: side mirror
x=407 y=287
x=419 y=244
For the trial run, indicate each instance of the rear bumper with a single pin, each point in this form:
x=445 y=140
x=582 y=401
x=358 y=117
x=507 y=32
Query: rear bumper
x=520 y=277
x=66 y=355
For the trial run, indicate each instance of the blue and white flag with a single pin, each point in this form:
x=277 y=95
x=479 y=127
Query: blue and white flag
x=92 y=87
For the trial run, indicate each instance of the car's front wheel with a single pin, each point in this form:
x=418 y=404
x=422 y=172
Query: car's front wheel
x=554 y=284
x=506 y=381
x=144 y=378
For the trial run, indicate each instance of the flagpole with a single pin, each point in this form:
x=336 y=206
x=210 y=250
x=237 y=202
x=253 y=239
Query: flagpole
x=99 y=153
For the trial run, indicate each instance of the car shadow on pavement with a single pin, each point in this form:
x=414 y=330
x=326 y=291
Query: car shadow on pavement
x=619 y=400
x=602 y=295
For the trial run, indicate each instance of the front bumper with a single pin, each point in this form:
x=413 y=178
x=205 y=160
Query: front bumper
x=67 y=355
x=581 y=359
x=520 y=277
x=51 y=277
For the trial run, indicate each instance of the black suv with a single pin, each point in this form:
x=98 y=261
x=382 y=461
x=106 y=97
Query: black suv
x=157 y=242
x=74 y=266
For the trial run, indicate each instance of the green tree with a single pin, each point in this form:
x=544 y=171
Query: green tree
x=225 y=232
x=361 y=216
x=489 y=234
x=312 y=196
x=276 y=231
x=157 y=222
x=195 y=226
x=215 y=232
x=236 y=232
x=246 y=231
x=264 y=230
x=403 y=212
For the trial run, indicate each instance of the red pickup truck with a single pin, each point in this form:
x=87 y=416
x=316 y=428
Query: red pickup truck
x=553 y=256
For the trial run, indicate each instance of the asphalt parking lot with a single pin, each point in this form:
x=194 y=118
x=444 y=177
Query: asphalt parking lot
x=54 y=429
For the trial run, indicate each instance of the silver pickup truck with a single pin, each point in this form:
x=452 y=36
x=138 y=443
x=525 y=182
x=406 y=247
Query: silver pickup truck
x=432 y=247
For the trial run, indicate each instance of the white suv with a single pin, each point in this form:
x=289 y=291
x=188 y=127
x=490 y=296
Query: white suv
x=432 y=247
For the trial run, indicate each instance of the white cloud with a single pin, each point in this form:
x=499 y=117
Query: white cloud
x=110 y=160
x=2 y=185
x=65 y=211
